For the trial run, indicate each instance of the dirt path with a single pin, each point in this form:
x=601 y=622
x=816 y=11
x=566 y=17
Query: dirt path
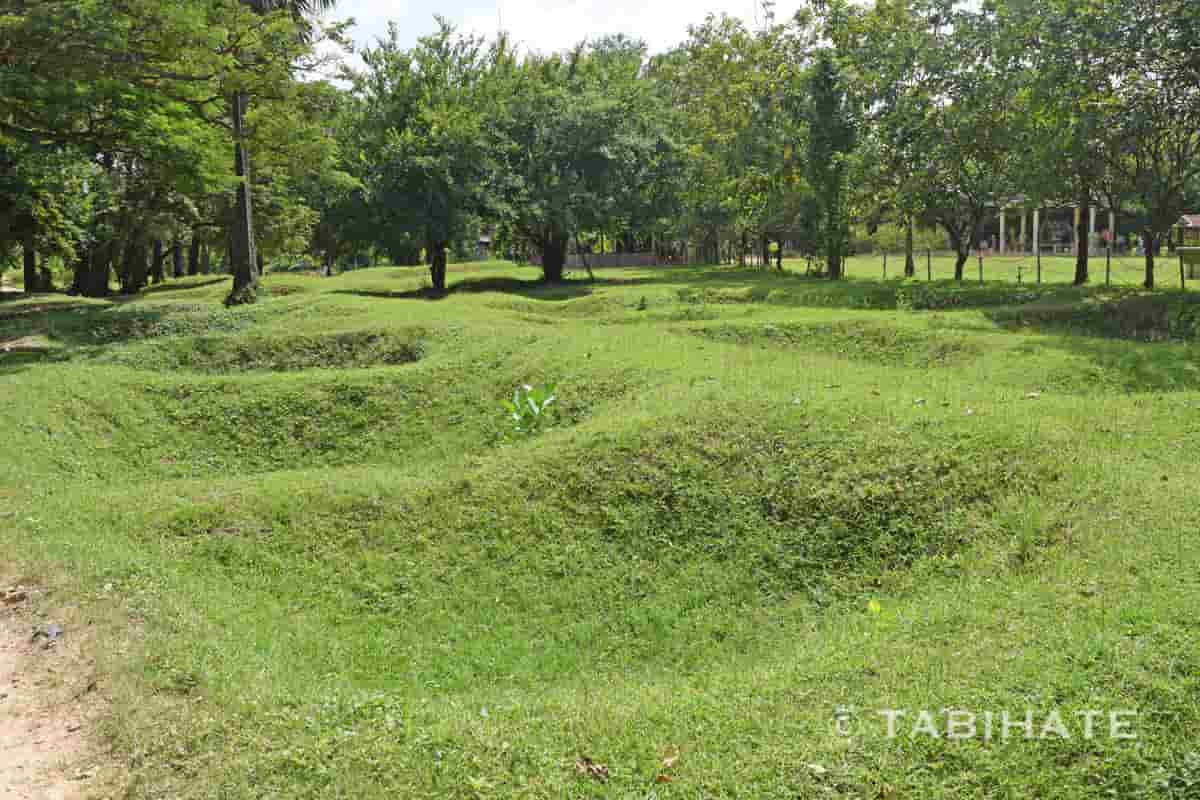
x=42 y=744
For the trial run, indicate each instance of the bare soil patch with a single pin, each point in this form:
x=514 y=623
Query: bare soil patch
x=46 y=693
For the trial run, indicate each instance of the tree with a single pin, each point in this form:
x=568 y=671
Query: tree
x=966 y=137
x=573 y=133
x=831 y=139
x=896 y=52
x=243 y=256
x=143 y=88
x=425 y=117
x=1155 y=120
x=44 y=207
x=1061 y=55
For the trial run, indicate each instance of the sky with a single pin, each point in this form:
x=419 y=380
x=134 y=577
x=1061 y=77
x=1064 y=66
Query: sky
x=548 y=25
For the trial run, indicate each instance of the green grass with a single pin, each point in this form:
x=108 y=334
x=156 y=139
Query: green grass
x=1023 y=269
x=326 y=566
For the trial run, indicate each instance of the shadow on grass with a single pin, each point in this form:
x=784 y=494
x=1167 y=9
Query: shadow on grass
x=532 y=289
x=80 y=325
x=14 y=361
x=1128 y=340
x=87 y=329
x=1129 y=314
x=172 y=286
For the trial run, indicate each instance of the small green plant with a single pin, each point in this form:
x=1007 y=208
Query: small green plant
x=528 y=407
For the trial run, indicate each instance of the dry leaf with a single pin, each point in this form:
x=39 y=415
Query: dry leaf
x=663 y=779
x=14 y=596
x=669 y=761
x=593 y=770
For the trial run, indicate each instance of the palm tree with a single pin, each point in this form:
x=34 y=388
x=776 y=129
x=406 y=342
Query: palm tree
x=243 y=256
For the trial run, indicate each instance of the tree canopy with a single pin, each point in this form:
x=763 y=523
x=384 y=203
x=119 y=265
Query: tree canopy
x=118 y=119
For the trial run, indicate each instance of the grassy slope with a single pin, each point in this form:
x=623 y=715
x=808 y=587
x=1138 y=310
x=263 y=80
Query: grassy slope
x=355 y=582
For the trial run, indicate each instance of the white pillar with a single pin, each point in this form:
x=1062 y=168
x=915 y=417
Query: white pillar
x=1023 y=242
x=1112 y=228
x=1002 y=242
x=1091 y=228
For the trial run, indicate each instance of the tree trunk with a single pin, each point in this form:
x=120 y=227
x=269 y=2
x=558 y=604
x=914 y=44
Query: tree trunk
x=960 y=262
x=242 y=255
x=205 y=259
x=437 y=266
x=1148 y=245
x=177 y=269
x=124 y=267
x=32 y=279
x=554 y=258
x=835 y=264
x=94 y=282
x=157 y=274
x=910 y=261
x=1082 y=239
x=779 y=255
x=833 y=241
x=82 y=270
x=193 y=265
x=133 y=267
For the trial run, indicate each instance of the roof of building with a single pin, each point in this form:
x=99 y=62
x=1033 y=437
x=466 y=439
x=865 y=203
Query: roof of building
x=1189 y=221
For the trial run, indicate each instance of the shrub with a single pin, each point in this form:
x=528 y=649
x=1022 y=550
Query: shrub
x=528 y=407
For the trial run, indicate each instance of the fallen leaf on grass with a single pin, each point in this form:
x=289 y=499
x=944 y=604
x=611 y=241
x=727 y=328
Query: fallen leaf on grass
x=595 y=771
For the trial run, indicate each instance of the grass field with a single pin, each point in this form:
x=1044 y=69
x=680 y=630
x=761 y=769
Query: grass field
x=768 y=507
x=1123 y=270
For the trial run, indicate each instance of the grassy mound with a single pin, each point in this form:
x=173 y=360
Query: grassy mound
x=228 y=354
x=671 y=548
x=326 y=565
x=1130 y=315
x=858 y=341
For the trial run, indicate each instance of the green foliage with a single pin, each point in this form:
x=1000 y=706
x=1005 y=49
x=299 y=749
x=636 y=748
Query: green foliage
x=579 y=147
x=137 y=104
x=423 y=132
x=529 y=406
x=831 y=139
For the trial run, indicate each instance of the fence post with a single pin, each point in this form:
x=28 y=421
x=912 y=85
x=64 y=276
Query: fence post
x=929 y=263
x=1037 y=242
x=980 y=254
